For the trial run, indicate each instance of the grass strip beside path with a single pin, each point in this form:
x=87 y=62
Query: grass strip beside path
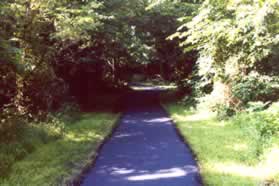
x=52 y=162
x=224 y=151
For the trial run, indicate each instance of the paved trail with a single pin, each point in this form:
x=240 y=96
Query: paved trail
x=145 y=150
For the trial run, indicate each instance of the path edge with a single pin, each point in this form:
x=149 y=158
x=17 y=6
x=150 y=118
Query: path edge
x=184 y=140
x=79 y=174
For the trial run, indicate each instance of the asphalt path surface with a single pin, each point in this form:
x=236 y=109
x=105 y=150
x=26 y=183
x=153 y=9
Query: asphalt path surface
x=145 y=149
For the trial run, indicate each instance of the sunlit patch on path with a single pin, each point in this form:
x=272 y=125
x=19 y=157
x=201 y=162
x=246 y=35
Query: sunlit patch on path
x=144 y=150
x=164 y=174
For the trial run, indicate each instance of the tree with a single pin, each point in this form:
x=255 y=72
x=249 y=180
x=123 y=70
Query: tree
x=231 y=37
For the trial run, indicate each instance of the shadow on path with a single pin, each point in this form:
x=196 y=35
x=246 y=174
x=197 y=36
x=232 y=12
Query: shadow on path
x=145 y=149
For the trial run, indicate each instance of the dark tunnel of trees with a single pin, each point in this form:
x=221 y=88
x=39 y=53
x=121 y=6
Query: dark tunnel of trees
x=54 y=52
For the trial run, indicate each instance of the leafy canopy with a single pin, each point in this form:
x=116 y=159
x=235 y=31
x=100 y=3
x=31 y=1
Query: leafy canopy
x=231 y=36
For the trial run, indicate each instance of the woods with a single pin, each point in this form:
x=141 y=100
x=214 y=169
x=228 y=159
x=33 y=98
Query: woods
x=92 y=39
x=59 y=58
x=53 y=50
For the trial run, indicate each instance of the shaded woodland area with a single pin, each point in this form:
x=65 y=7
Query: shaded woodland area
x=58 y=58
x=53 y=50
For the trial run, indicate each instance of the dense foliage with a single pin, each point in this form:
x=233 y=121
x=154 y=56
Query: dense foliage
x=235 y=40
x=51 y=49
x=236 y=76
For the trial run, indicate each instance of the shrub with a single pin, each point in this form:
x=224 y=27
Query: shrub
x=223 y=111
x=69 y=111
x=261 y=126
x=9 y=153
x=7 y=83
x=55 y=126
x=253 y=87
x=5 y=164
x=11 y=124
x=198 y=88
x=188 y=101
x=43 y=91
x=17 y=140
x=256 y=106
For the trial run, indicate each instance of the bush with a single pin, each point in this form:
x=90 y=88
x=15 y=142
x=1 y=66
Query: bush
x=199 y=90
x=5 y=164
x=188 y=101
x=261 y=126
x=55 y=126
x=17 y=140
x=69 y=111
x=7 y=83
x=253 y=87
x=223 y=111
x=43 y=91
x=9 y=153
x=11 y=124
x=256 y=106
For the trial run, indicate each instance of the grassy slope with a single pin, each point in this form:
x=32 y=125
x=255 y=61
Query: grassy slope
x=50 y=163
x=224 y=151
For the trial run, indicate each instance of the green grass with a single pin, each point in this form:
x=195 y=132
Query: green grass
x=58 y=158
x=224 y=151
